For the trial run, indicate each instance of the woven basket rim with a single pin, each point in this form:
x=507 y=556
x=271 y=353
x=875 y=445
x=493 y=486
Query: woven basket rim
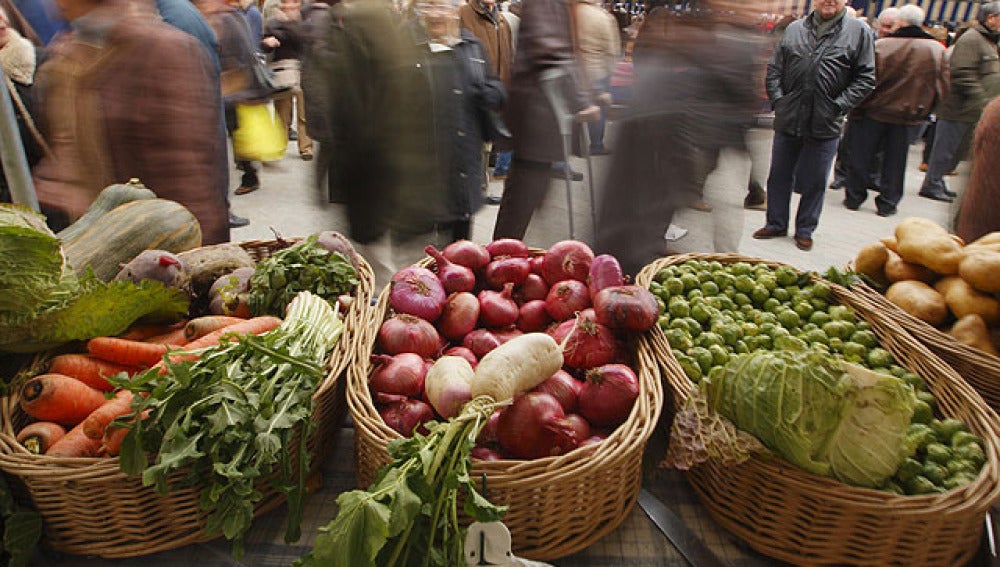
x=978 y=495
x=636 y=430
x=17 y=460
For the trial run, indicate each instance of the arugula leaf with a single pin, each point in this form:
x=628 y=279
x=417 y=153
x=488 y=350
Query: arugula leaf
x=307 y=266
x=357 y=535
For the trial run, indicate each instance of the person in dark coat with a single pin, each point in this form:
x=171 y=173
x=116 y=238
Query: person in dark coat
x=544 y=53
x=979 y=213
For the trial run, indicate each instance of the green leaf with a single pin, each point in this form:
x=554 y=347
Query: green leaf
x=355 y=536
x=22 y=530
x=176 y=452
x=480 y=509
x=405 y=505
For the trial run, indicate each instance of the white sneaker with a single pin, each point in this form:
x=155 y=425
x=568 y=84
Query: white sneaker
x=675 y=232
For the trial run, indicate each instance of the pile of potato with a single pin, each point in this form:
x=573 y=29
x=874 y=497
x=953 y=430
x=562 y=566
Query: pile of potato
x=939 y=279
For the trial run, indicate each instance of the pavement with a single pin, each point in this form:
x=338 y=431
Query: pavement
x=289 y=203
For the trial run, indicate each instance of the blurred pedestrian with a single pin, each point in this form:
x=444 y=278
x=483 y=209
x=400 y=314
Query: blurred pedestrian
x=19 y=59
x=126 y=96
x=600 y=45
x=974 y=67
x=910 y=79
x=42 y=15
x=979 y=213
x=286 y=37
x=546 y=55
x=823 y=66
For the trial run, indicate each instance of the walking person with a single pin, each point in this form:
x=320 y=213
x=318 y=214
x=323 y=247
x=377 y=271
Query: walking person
x=823 y=66
x=910 y=80
x=286 y=35
x=600 y=44
x=974 y=66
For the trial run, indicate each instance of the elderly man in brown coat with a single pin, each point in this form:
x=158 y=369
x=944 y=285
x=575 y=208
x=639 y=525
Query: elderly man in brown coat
x=125 y=95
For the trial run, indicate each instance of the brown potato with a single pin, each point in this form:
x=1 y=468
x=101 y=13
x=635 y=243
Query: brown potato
x=890 y=242
x=963 y=300
x=870 y=261
x=971 y=330
x=944 y=285
x=897 y=270
x=925 y=242
x=990 y=240
x=920 y=300
x=981 y=268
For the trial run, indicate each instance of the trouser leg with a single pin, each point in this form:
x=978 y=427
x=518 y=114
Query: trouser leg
x=811 y=173
x=893 y=168
x=863 y=137
x=948 y=136
x=523 y=193
x=784 y=154
x=305 y=142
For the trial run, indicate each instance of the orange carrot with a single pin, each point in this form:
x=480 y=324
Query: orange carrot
x=124 y=351
x=98 y=420
x=201 y=326
x=114 y=436
x=143 y=332
x=89 y=369
x=75 y=444
x=59 y=398
x=39 y=436
x=253 y=326
x=175 y=337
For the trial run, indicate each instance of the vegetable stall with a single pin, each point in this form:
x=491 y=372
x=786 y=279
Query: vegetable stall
x=518 y=394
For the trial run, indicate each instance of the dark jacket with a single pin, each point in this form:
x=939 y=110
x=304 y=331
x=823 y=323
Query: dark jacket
x=317 y=95
x=293 y=35
x=975 y=75
x=544 y=44
x=980 y=208
x=448 y=105
x=910 y=74
x=814 y=81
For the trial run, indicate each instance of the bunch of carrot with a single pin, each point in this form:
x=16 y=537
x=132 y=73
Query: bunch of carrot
x=74 y=404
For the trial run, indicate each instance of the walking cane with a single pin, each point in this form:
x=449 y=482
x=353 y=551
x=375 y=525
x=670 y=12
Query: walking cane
x=549 y=81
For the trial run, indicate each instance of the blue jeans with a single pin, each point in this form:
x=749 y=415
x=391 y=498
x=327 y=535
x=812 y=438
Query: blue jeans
x=866 y=138
x=804 y=163
x=502 y=166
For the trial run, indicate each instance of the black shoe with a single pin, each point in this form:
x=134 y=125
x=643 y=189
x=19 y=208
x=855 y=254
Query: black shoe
x=886 y=213
x=950 y=193
x=937 y=197
x=837 y=184
x=236 y=221
x=293 y=136
x=492 y=200
x=851 y=206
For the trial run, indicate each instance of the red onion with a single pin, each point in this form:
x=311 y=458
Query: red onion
x=406 y=333
x=506 y=270
x=464 y=353
x=537 y=265
x=460 y=315
x=485 y=454
x=609 y=394
x=579 y=424
x=382 y=399
x=533 y=287
x=507 y=247
x=626 y=307
x=403 y=417
x=605 y=271
x=402 y=374
x=588 y=314
x=497 y=309
x=534 y=426
x=566 y=298
x=453 y=277
x=480 y=342
x=591 y=344
x=469 y=254
x=592 y=440
x=533 y=317
x=417 y=291
x=488 y=434
x=564 y=388
x=567 y=260
x=504 y=335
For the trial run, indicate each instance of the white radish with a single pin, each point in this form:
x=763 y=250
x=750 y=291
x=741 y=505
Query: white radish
x=448 y=385
x=516 y=366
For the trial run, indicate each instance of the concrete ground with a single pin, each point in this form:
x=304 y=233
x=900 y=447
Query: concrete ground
x=289 y=204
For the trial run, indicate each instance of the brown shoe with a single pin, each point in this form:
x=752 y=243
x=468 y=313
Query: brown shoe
x=923 y=167
x=804 y=243
x=244 y=189
x=765 y=233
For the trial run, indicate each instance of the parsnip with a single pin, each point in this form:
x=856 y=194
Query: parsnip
x=516 y=366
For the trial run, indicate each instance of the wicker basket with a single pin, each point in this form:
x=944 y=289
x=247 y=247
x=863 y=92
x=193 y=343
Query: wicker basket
x=558 y=505
x=90 y=507
x=791 y=515
x=980 y=369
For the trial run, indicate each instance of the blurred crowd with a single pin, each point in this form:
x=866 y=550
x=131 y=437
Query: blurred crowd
x=410 y=107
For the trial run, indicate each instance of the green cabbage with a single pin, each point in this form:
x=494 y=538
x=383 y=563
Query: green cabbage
x=44 y=304
x=827 y=416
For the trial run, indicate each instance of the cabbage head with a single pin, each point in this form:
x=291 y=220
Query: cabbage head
x=829 y=417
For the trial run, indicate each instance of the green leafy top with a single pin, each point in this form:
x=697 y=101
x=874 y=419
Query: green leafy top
x=307 y=266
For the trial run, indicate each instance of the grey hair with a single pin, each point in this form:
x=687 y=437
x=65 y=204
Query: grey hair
x=888 y=15
x=987 y=9
x=912 y=15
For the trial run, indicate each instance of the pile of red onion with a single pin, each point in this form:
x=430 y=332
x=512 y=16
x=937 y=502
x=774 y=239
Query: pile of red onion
x=478 y=297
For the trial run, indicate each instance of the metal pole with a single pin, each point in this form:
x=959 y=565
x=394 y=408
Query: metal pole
x=12 y=158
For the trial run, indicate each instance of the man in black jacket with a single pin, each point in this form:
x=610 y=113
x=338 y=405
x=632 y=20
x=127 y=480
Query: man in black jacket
x=823 y=66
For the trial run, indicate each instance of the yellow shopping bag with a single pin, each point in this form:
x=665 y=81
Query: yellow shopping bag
x=260 y=135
